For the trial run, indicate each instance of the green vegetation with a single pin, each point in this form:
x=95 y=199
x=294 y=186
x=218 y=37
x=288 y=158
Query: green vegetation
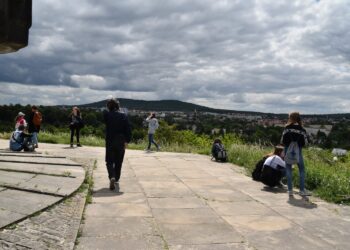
x=327 y=178
x=246 y=142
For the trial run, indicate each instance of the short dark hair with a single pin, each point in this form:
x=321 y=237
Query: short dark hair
x=21 y=127
x=112 y=104
x=34 y=107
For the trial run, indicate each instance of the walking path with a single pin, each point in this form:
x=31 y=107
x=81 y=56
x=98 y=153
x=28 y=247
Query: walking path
x=185 y=201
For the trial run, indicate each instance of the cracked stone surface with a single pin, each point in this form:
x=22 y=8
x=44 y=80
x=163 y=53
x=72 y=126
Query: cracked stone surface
x=185 y=201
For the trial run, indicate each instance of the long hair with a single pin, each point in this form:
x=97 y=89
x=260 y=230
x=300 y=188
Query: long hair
x=294 y=117
x=77 y=111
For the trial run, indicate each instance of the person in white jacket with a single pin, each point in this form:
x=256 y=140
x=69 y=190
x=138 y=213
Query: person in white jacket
x=274 y=168
x=152 y=127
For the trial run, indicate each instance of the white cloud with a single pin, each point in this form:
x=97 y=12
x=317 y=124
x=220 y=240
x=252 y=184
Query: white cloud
x=243 y=55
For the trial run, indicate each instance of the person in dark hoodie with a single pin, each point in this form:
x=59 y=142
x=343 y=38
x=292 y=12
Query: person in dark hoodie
x=118 y=135
x=294 y=132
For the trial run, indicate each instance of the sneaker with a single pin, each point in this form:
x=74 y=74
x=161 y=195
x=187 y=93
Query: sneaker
x=290 y=193
x=112 y=184
x=305 y=193
x=36 y=145
x=71 y=145
x=281 y=185
x=158 y=149
x=79 y=145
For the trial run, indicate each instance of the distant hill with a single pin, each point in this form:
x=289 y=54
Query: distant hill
x=163 y=105
x=175 y=105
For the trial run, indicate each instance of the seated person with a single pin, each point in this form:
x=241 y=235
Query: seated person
x=218 y=151
x=274 y=168
x=20 y=140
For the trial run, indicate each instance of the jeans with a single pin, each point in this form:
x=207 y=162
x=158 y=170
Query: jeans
x=301 y=168
x=151 y=140
x=35 y=137
x=72 y=134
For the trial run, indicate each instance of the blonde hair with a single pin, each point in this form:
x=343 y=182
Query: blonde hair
x=294 y=117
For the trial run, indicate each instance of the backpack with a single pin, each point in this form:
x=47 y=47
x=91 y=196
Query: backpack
x=222 y=155
x=37 y=118
x=256 y=174
x=219 y=152
x=292 y=154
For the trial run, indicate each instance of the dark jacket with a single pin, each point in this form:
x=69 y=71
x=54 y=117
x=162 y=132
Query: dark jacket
x=117 y=127
x=294 y=132
x=31 y=127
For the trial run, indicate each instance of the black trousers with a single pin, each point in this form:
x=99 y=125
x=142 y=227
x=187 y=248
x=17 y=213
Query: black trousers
x=114 y=159
x=77 y=133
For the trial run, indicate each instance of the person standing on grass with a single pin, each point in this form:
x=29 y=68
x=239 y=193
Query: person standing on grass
x=76 y=123
x=34 y=123
x=294 y=133
x=152 y=127
x=118 y=135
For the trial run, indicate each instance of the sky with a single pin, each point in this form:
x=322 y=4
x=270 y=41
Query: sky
x=263 y=55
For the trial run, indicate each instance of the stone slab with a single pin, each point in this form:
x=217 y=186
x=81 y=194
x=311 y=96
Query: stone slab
x=58 y=161
x=93 y=243
x=113 y=197
x=43 y=169
x=233 y=246
x=186 y=215
x=186 y=234
x=24 y=203
x=118 y=210
x=243 y=207
x=118 y=227
x=275 y=232
x=183 y=202
x=55 y=185
x=7 y=217
x=13 y=178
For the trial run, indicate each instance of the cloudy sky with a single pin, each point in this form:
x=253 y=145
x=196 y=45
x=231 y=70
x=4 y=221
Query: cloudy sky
x=262 y=55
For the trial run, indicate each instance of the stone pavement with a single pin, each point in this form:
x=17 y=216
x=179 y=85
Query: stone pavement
x=185 y=201
x=32 y=182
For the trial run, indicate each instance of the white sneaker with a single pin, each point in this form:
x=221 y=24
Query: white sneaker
x=281 y=185
x=290 y=193
x=305 y=193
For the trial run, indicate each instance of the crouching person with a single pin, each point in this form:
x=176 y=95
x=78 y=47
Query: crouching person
x=20 y=140
x=218 y=151
x=274 y=168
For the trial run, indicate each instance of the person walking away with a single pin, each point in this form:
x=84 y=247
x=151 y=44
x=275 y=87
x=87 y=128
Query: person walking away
x=118 y=135
x=20 y=140
x=152 y=127
x=75 y=125
x=274 y=168
x=34 y=123
x=19 y=120
x=294 y=138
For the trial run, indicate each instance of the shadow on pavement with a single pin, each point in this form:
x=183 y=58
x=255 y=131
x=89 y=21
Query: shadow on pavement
x=301 y=203
x=106 y=192
x=274 y=190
